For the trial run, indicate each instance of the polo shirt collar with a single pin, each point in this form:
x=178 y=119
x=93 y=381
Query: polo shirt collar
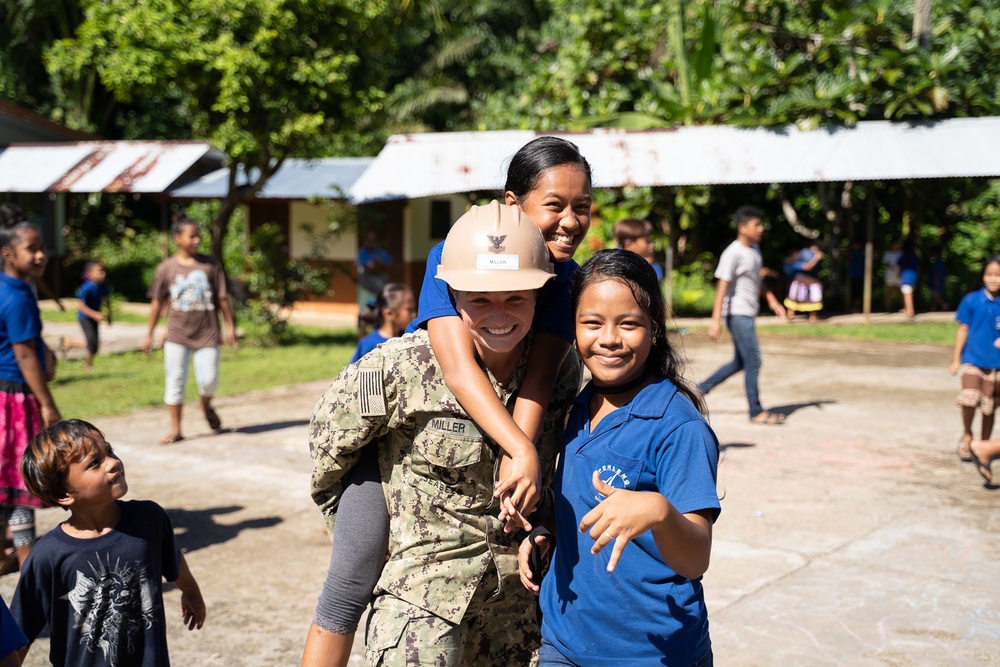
x=650 y=403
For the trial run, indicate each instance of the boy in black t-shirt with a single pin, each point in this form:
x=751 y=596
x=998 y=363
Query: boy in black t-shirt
x=96 y=579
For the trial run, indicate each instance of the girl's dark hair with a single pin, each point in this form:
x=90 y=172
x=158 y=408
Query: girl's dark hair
x=992 y=259
x=634 y=271
x=9 y=236
x=180 y=222
x=537 y=156
x=11 y=214
x=388 y=297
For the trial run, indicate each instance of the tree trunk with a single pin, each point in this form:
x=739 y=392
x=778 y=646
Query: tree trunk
x=922 y=22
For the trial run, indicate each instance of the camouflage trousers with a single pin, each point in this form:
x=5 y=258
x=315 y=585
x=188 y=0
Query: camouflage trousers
x=498 y=630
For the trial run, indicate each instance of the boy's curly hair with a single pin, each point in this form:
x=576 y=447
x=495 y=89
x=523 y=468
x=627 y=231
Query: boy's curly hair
x=46 y=461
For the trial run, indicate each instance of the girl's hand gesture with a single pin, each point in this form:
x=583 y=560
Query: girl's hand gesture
x=622 y=516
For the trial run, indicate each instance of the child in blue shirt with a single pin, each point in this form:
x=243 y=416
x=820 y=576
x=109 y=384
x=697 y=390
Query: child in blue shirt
x=976 y=357
x=389 y=313
x=636 y=478
x=93 y=297
x=27 y=365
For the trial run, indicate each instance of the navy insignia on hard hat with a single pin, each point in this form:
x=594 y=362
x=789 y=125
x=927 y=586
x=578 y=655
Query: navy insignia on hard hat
x=496 y=242
x=371 y=392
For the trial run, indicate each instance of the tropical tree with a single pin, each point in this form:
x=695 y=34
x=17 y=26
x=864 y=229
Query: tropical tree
x=261 y=80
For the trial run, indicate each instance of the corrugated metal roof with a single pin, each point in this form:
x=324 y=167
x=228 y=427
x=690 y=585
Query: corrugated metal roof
x=423 y=165
x=98 y=166
x=298 y=178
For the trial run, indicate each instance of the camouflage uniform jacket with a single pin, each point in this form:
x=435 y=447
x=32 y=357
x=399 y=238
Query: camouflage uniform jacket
x=437 y=468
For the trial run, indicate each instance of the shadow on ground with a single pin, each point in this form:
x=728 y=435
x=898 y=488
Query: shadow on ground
x=197 y=529
x=787 y=410
x=273 y=426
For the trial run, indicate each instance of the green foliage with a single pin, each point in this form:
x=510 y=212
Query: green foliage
x=274 y=282
x=924 y=333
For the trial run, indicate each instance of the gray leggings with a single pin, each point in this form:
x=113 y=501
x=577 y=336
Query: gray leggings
x=360 y=539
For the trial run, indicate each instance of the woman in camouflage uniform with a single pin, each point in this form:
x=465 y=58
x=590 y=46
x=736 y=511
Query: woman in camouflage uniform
x=449 y=593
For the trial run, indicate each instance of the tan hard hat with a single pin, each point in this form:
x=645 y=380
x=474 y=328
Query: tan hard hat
x=494 y=248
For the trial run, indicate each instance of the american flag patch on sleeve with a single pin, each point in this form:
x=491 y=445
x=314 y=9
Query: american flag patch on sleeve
x=371 y=392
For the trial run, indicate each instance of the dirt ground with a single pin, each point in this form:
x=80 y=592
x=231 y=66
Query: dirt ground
x=851 y=535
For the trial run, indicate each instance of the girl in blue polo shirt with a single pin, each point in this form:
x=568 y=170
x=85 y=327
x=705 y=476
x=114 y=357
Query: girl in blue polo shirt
x=26 y=365
x=635 y=488
x=977 y=358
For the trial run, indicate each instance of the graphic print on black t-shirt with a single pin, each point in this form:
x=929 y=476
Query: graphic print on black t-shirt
x=113 y=606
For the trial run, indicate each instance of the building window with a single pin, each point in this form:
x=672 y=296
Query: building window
x=440 y=218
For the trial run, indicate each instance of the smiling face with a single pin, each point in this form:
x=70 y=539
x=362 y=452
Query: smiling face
x=96 y=479
x=560 y=206
x=27 y=259
x=613 y=333
x=497 y=321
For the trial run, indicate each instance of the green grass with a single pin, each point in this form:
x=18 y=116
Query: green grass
x=932 y=333
x=121 y=383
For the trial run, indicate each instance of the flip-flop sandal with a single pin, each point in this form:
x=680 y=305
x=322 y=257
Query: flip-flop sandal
x=213 y=420
x=963 y=451
x=983 y=469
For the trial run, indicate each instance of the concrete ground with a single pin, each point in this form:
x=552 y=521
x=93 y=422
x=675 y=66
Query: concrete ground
x=851 y=535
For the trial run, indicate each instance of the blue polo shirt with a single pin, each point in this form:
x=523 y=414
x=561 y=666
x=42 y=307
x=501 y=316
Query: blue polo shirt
x=643 y=613
x=19 y=322
x=981 y=313
x=552 y=307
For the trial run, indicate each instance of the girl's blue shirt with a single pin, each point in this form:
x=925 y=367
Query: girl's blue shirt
x=367 y=344
x=20 y=321
x=981 y=313
x=643 y=613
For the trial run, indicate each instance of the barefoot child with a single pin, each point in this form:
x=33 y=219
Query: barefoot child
x=976 y=357
x=550 y=181
x=192 y=288
x=389 y=313
x=95 y=579
x=26 y=367
x=635 y=488
x=93 y=297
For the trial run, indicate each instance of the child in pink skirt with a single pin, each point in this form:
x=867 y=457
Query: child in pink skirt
x=26 y=366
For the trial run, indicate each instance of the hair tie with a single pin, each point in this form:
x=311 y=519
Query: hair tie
x=371 y=303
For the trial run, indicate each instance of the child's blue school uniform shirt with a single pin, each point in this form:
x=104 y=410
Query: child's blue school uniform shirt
x=367 y=344
x=643 y=613
x=92 y=295
x=552 y=307
x=102 y=598
x=981 y=313
x=20 y=321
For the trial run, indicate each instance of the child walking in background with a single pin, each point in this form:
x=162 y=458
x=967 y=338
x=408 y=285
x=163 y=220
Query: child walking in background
x=635 y=496
x=93 y=297
x=389 y=313
x=26 y=366
x=191 y=287
x=96 y=579
x=977 y=358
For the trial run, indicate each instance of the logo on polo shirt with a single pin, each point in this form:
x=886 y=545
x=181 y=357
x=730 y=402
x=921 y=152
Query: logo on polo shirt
x=613 y=476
